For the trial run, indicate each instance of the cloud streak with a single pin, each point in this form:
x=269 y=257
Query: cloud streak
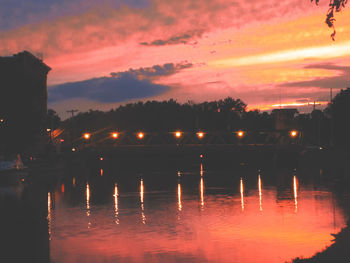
x=174 y=40
x=339 y=81
x=155 y=71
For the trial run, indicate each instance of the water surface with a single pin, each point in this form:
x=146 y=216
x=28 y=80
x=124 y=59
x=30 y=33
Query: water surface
x=242 y=215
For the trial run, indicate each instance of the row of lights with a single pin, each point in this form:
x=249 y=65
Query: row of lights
x=178 y=135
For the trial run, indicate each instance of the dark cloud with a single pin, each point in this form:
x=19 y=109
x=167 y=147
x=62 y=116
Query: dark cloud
x=174 y=40
x=155 y=71
x=342 y=80
x=120 y=86
x=106 y=89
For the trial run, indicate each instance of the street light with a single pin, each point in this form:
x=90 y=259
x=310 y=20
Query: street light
x=115 y=135
x=293 y=133
x=86 y=136
x=200 y=135
x=240 y=134
x=178 y=134
x=140 y=135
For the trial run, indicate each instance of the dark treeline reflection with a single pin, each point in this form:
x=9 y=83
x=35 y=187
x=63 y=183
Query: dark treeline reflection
x=23 y=224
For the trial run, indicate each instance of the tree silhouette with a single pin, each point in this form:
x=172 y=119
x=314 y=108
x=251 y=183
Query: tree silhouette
x=339 y=110
x=53 y=121
x=334 y=6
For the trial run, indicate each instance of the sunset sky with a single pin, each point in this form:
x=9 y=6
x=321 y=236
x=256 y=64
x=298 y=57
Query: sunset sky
x=109 y=52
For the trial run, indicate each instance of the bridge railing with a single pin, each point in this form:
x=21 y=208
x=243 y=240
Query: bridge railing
x=115 y=139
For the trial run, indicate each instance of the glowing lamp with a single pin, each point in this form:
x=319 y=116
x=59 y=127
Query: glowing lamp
x=200 y=135
x=73 y=149
x=87 y=136
x=115 y=135
x=293 y=133
x=140 y=135
x=240 y=134
x=178 y=134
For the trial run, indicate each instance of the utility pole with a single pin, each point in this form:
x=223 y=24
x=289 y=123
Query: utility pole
x=72 y=112
x=72 y=130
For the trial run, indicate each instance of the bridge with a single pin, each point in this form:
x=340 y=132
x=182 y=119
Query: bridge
x=108 y=140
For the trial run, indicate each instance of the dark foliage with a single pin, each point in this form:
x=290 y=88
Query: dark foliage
x=165 y=116
x=53 y=121
x=339 y=109
x=334 y=6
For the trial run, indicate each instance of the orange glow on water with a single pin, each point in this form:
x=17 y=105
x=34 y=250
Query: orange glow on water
x=62 y=188
x=242 y=194
x=101 y=172
x=201 y=170
x=73 y=181
x=222 y=233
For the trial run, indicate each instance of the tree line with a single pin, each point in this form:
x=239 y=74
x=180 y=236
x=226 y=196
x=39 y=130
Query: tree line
x=326 y=127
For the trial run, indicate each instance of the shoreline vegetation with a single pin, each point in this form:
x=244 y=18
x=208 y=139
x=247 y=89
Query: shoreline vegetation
x=337 y=252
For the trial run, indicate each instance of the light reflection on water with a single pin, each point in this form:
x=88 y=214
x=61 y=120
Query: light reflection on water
x=260 y=193
x=242 y=194
x=296 y=221
x=116 y=204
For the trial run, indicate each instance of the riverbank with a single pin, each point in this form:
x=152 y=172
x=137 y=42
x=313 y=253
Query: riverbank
x=337 y=252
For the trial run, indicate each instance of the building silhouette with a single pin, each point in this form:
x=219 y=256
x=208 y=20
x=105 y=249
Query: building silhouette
x=23 y=103
x=284 y=119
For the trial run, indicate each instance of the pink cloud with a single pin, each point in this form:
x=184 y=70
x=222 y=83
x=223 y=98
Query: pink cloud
x=105 y=26
x=103 y=39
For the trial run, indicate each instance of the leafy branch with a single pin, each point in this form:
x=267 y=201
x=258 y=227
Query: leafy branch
x=334 y=6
